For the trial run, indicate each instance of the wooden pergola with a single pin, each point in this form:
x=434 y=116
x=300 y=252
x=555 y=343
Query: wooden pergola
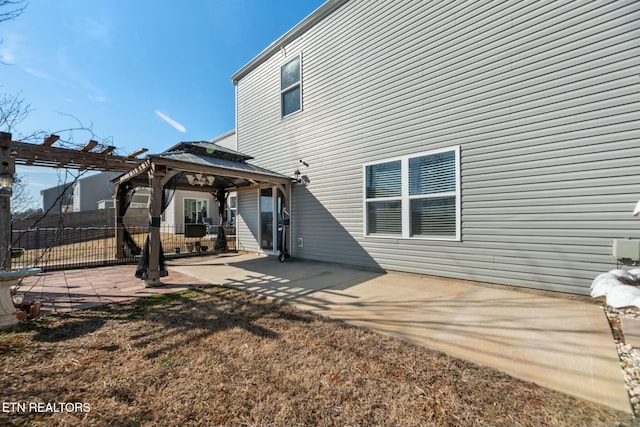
x=92 y=156
x=195 y=166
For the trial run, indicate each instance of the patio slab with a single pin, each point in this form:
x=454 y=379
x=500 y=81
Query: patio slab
x=559 y=343
x=631 y=331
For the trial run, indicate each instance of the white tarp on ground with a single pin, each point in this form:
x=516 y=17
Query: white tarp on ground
x=620 y=287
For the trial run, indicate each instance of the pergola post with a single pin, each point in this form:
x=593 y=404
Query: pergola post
x=156 y=174
x=7 y=169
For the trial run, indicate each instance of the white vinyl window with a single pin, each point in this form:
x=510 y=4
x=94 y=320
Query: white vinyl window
x=415 y=196
x=290 y=87
x=195 y=211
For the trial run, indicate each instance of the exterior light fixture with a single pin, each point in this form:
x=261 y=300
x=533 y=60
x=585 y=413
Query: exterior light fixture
x=200 y=179
x=296 y=175
x=7 y=169
x=6 y=180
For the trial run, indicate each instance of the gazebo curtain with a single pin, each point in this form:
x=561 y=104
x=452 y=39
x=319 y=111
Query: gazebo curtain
x=221 y=237
x=142 y=271
x=126 y=191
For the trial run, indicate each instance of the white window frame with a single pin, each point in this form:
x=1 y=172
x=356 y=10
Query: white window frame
x=196 y=199
x=290 y=87
x=405 y=198
x=232 y=211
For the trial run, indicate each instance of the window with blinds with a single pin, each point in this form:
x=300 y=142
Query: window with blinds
x=384 y=180
x=414 y=196
x=432 y=192
x=384 y=203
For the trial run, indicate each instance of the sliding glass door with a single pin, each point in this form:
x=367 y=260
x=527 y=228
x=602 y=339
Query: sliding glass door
x=270 y=219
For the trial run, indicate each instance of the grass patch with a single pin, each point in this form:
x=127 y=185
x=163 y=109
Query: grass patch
x=216 y=356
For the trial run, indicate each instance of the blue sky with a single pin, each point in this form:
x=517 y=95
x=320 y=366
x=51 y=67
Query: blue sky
x=141 y=73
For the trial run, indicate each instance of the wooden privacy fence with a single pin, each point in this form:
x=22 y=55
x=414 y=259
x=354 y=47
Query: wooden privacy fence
x=136 y=217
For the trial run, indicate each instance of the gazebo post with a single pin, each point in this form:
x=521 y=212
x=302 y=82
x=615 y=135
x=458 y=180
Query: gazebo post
x=156 y=174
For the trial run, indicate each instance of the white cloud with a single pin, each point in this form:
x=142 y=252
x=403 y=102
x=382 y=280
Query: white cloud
x=75 y=79
x=172 y=122
x=7 y=55
x=92 y=28
x=98 y=98
x=36 y=73
x=10 y=45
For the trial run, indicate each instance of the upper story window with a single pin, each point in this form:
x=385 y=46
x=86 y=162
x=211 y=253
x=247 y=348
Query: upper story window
x=415 y=196
x=290 y=87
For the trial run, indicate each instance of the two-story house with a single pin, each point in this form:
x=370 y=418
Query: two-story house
x=491 y=141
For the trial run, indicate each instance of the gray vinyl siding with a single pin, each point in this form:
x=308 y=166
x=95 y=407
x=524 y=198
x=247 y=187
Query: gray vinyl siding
x=171 y=214
x=227 y=140
x=247 y=227
x=54 y=198
x=90 y=190
x=542 y=97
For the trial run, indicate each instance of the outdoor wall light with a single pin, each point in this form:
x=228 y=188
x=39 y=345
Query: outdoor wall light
x=296 y=175
x=6 y=180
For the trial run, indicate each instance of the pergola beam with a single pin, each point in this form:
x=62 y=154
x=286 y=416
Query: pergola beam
x=89 y=146
x=138 y=152
x=135 y=172
x=108 y=149
x=44 y=155
x=50 y=140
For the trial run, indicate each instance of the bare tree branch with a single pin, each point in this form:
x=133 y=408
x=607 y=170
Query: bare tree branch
x=68 y=137
x=22 y=199
x=11 y=9
x=13 y=110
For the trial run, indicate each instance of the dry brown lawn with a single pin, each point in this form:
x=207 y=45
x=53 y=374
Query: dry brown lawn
x=216 y=356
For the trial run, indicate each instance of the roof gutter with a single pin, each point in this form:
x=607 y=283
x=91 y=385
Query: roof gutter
x=316 y=16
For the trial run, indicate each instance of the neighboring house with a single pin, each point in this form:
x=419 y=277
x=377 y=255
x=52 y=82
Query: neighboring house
x=490 y=141
x=57 y=199
x=85 y=194
x=88 y=191
x=139 y=200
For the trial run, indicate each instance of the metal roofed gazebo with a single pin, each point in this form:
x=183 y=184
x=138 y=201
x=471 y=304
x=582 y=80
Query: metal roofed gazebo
x=196 y=166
